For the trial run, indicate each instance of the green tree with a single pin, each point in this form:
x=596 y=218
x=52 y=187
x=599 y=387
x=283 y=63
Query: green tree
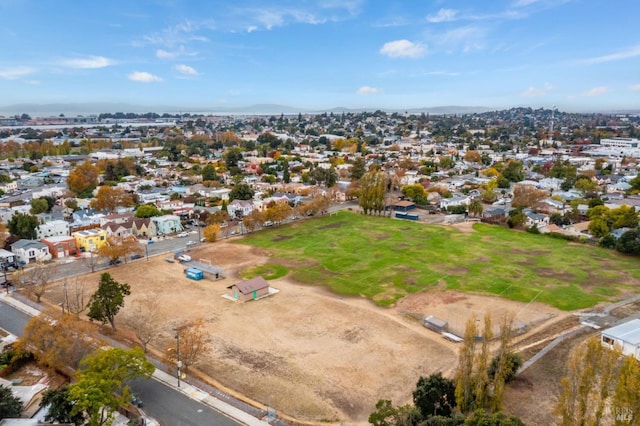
x=414 y=191
x=60 y=406
x=465 y=385
x=106 y=302
x=39 y=205
x=241 y=191
x=627 y=393
x=388 y=415
x=24 y=226
x=513 y=171
x=435 y=396
x=475 y=208
x=232 y=156
x=629 y=242
x=10 y=406
x=286 y=174
x=482 y=418
x=100 y=386
x=598 y=228
x=513 y=363
x=209 y=172
x=358 y=168
x=372 y=191
x=147 y=210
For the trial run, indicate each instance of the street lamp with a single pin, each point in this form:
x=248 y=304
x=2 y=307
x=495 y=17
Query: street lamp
x=179 y=363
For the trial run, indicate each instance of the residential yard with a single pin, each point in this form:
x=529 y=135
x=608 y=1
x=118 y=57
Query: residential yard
x=385 y=260
x=306 y=351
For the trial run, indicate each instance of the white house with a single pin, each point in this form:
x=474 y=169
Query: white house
x=626 y=336
x=239 y=208
x=167 y=224
x=536 y=219
x=456 y=200
x=30 y=251
x=53 y=228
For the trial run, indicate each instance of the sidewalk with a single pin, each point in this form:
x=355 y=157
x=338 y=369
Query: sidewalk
x=168 y=380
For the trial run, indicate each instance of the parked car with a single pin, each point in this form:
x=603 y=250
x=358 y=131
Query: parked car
x=184 y=258
x=267 y=223
x=135 y=256
x=191 y=243
x=168 y=259
x=183 y=234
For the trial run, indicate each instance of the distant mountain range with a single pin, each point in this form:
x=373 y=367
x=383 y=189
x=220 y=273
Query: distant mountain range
x=72 y=109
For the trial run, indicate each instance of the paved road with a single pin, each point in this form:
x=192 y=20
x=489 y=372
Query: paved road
x=165 y=404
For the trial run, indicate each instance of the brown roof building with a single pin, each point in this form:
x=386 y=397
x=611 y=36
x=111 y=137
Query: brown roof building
x=252 y=289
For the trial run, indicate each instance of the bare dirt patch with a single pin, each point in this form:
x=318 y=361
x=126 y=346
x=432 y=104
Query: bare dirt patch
x=465 y=227
x=306 y=351
x=550 y=273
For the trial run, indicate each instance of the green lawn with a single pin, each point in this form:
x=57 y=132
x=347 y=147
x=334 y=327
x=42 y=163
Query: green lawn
x=385 y=259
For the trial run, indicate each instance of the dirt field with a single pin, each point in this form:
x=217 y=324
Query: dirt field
x=304 y=351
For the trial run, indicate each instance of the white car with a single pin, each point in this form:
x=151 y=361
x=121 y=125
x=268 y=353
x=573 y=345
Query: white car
x=183 y=234
x=191 y=243
x=184 y=258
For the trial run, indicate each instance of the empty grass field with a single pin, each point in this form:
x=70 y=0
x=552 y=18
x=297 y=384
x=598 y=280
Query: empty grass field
x=385 y=259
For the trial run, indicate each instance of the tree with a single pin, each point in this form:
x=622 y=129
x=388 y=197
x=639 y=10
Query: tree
x=513 y=171
x=372 y=191
x=147 y=210
x=56 y=340
x=109 y=199
x=482 y=418
x=36 y=279
x=24 y=226
x=627 y=392
x=358 y=168
x=598 y=228
x=145 y=319
x=388 y=415
x=73 y=293
x=286 y=174
x=527 y=196
x=60 y=406
x=415 y=191
x=193 y=345
x=253 y=220
x=232 y=156
x=210 y=232
x=209 y=172
x=513 y=363
x=465 y=385
x=435 y=396
x=10 y=406
x=629 y=242
x=83 y=179
x=502 y=369
x=241 y=191
x=117 y=247
x=100 y=386
x=106 y=302
x=38 y=205
x=585 y=389
x=475 y=208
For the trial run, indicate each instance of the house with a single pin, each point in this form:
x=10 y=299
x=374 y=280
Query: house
x=52 y=229
x=167 y=224
x=535 y=219
x=626 y=336
x=90 y=239
x=118 y=218
x=456 y=200
x=144 y=227
x=27 y=251
x=239 y=208
x=7 y=260
x=249 y=290
x=123 y=229
x=495 y=215
x=61 y=246
x=403 y=206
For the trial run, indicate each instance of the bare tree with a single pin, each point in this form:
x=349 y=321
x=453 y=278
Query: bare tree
x=193 y=345
x=36 y=279
x=74 y=296
x=145 y=319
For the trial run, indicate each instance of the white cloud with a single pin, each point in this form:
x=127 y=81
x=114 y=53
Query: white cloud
x=163 y=54
x=185 y=69
x=533 y=92
x=143 y=77
x=91 y=62
x=635 y=87
x=367 y=90
x=15 y=73
x=467 y=38
x=597 y=91
x=631 y=52
x=443 y=15
x=251 y=28
x=403 y=49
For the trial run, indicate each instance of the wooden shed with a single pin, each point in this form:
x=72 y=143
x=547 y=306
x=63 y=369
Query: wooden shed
x=252 y=289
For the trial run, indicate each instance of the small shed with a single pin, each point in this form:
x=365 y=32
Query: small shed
x=194 y=274
x=626 y=336
x=435 y=324
x=403 y=206
x=249 y=290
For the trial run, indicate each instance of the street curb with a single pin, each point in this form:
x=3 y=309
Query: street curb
x=22 y=307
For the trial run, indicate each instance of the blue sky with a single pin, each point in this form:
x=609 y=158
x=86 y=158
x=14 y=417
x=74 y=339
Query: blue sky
x=581 y=55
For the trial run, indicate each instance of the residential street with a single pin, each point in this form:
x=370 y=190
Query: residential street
x=161 y=402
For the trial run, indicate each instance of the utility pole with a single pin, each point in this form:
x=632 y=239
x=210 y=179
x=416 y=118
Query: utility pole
x=178 y=361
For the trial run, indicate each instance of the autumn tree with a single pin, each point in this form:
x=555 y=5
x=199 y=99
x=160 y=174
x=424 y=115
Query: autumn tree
x=145 y=319
x=465 y=385
x=4 y=234
x=502 y=370
x=475 y=207
x=278 y=212
x=106 y=302
x=587 y=385
x=193 y=345
x=481 y=365
x=109 y=198
x=74 y=296
x=253 y=220
x=210 y=232
x=101 y=384
x=372 y=191
x=56 y=339
x=527 y=196
x=83 y=179
x=117 y=247
x=627 y=391
x=35 y=279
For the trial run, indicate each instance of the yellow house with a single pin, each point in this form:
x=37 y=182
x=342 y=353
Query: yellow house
x=90 y=239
